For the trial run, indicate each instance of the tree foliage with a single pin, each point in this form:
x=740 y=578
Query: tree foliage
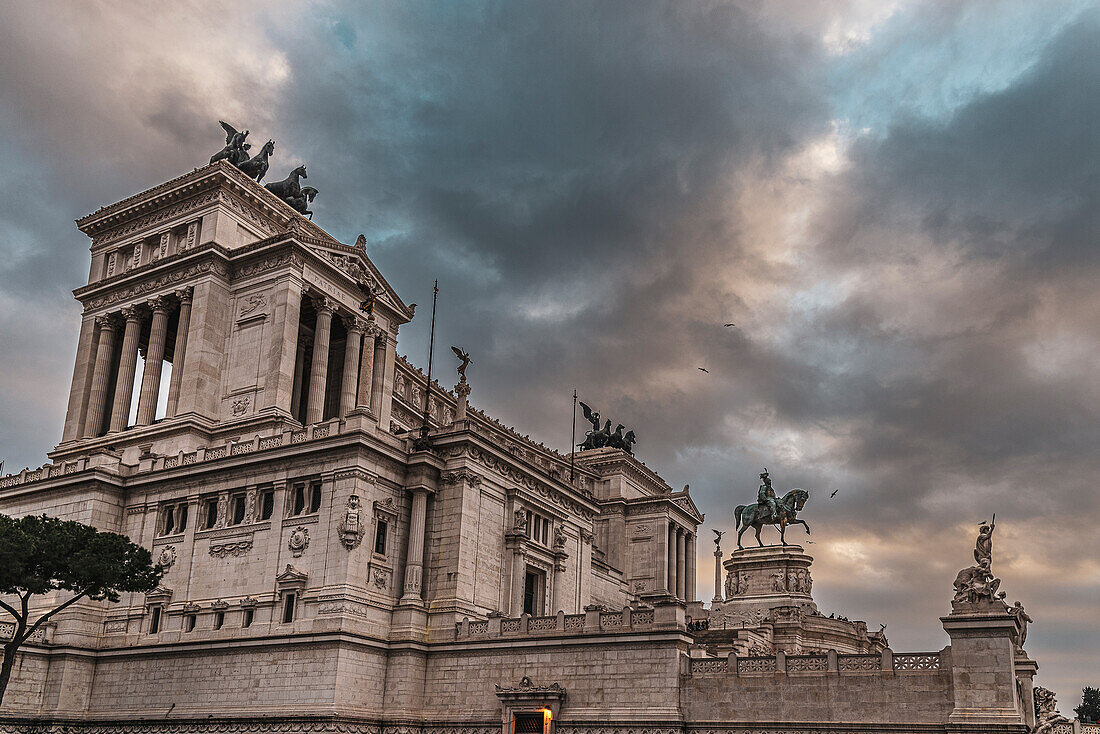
x=40 y=554
x=1089 y=710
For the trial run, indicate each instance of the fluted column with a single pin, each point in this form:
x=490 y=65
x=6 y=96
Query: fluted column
x=661 y=555
x=672 y=582
x=97 y=396
x=127 y=367
x=318 y=376
x=348 y=389
x=304 y=343
x=558 y=581
x=366 y=366
x=690 y=555
x=180 y=352
x=681 y=563
x=414 y=557
x=154 y=362
x=519 y=577
x=378 y=378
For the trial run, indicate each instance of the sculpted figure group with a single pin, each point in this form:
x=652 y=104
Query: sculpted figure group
x=977 y=583
x=289 y=189
x=599 y=438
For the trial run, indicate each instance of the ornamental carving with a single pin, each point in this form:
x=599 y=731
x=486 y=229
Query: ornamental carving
x=350 y=528
x=149 y=220
x=253 y=303
x=223 y=550
x=167 y=556
x=299 y=541
x=241 y=405
x=381 y=578
x=271 y=263
x=163 y=281
x=462 y=475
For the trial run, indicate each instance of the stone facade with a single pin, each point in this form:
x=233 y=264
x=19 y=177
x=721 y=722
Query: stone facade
x=325 y=574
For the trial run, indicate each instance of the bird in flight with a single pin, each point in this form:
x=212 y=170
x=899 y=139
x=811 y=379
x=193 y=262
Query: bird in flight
x=729 y=325
x=703 y=369
x=834 y=493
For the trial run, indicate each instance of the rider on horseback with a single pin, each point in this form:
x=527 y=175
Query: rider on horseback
x=766 y=496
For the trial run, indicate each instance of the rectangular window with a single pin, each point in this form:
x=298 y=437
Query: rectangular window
x=210 y=512
x=236 y=508
x=219 y=620
x=297 y=499
x=314 y=496
x=249 y=615
x=528 y=724
x=538 y=528
x=189 y=622
x=380 y=538
x=173 y=518
x=288 y=607
x=154 y=620
x=267 y=503
x=533 y=588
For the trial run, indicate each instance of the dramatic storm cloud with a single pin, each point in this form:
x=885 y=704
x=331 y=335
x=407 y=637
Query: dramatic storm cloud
x=895 y=203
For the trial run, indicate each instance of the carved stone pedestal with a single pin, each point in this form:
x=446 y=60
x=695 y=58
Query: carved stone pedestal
x=761 y=579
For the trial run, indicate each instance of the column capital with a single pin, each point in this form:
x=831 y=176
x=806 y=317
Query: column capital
x=354 y=323
x=107 y=321
x=159 y=303
x=322 y=303
x=133 y=312
x=184 y=294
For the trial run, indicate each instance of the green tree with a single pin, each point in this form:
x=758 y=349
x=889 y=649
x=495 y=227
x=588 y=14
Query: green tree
x=1089 y=710
x=40 y=554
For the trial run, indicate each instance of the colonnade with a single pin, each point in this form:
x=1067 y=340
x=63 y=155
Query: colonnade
x=130 y=320
x=680 y=562
x=361 y=375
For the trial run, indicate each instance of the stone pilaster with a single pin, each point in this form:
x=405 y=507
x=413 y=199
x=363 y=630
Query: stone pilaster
x=154 y=361
x=318 y=376
x=97 y=396
x=180 y=351
x=127 y=366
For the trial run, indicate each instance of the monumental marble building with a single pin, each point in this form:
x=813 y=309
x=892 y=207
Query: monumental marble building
x=238 y=407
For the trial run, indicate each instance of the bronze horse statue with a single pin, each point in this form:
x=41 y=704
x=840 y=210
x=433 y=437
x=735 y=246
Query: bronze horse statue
x=302 y=201
x=757 y=516
x=289 y=188
x=256 y=166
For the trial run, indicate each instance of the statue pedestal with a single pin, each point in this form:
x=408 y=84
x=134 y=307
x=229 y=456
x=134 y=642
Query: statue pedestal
x=761 y=579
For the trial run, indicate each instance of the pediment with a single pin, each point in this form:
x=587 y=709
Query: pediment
x=354 y=263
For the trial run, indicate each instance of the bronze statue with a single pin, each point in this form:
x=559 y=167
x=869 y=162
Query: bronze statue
x=289 y=187
x=303 y=199
x=256 y=168
x=235 y=145
x=599 y=438
x=464 y=358
x=367 y=306
x=769 y=510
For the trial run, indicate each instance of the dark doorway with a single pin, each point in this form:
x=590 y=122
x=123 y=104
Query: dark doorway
x=534 y=584
x=528 y=724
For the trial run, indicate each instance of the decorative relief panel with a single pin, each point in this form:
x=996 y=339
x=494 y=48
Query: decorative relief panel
x=299 y=541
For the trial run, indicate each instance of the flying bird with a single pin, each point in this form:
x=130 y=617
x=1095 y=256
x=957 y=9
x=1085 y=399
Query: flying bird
x=834 y=493
x=729 y=325
x=703 y=369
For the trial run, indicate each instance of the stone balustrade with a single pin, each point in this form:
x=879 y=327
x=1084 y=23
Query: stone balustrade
x=818 y=664
x=183 y=458
x=593 y=621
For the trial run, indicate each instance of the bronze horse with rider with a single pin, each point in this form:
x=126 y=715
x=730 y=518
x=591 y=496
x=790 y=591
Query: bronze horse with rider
x=758 y=515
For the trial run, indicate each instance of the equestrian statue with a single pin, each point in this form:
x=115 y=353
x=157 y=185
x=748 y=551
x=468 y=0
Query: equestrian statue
x=599 y=438
x=771 y=510
x=255 y=167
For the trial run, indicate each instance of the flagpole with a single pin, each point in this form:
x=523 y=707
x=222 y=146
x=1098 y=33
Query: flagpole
x=573 y=437
x=431 y=354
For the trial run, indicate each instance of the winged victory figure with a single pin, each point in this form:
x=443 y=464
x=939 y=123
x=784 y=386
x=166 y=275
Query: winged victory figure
x=235 y=150
x=464 y=357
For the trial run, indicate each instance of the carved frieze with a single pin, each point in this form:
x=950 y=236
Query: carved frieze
x=163 y=281
x=151 y=220
x=237 y=548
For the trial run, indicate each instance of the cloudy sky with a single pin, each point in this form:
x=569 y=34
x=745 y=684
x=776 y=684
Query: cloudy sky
x=895 y=203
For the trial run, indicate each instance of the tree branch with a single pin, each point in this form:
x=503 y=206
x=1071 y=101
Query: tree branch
x=11 y=610
x=31 y=630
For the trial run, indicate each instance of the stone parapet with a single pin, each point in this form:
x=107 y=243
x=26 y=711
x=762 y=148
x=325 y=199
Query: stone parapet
x=593 y=622
x=886 y=662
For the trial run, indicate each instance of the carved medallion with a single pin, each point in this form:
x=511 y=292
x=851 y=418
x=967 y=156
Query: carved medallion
x=299 y=541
